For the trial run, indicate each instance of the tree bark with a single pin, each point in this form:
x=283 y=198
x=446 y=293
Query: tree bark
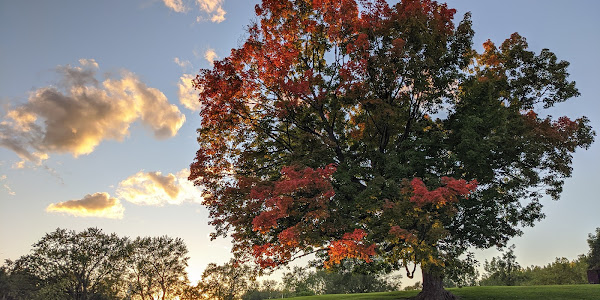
x=433 y=288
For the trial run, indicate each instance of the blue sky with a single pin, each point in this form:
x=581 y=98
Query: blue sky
x=131 y=59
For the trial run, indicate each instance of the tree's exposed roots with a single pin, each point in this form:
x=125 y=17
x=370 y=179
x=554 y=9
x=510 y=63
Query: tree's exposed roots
x=435 y=295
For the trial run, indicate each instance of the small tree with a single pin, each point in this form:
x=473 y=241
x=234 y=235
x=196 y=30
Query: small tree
x=503 y=270
x=593 y=256
x=226 y=282
x=415 y=287
x=462 y=273
x=299 y=282
x=267 y=289
x=157 y=267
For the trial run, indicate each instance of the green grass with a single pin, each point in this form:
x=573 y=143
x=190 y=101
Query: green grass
x=545 y=292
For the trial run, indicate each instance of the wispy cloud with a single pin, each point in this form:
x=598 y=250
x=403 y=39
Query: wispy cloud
x=97 y=205
x=188 y=96
x=6 y=186
x=184 y=64
x=78 y=114
x=210 y=55
x=176 y=5
x=154 y=188
x=214 y=8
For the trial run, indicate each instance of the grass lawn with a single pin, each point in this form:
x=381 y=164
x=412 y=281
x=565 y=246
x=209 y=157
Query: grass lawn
x=545 y=292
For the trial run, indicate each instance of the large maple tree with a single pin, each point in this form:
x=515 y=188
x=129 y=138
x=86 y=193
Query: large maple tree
x=374 y=132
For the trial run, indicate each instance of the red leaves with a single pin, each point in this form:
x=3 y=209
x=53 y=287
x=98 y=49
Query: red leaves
x=264 y=255
x=272 y=254
x=403 y=234
x=277 y=209
x=306 y=186
x=339 y=15
x=350 y=246
x=301 y=195
x=451 y=190
x=289 y=237
x=515 y=41
x=398 y=45
x=431 y=9
x=563 y=131
x=360 y=44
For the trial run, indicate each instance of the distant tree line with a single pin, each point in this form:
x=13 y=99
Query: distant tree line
x=233 y=281
x=505 y=270
x=92 y=265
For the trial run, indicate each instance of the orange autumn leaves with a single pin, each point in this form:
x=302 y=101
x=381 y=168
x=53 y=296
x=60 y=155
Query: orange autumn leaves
x=352 y=245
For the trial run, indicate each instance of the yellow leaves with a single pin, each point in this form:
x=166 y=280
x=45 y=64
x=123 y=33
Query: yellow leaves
x=419 y=252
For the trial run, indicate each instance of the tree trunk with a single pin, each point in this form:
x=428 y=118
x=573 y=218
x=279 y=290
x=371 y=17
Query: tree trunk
x=433 y=288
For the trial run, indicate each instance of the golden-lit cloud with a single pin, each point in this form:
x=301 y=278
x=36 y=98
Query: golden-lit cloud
x=154 y=188
x=81 y=112
x=100 y=205
x=176 y=5
x=214 y=8
x=210 y=55
x=188 y=96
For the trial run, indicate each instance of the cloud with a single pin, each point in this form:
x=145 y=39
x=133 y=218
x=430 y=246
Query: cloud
x=210 y=55
x=36 y=158
x=142 y=188
x=188 y=96
x=6 y=186
x=97 y=205
x=156 y=189
x=81 y=112
x=182 y=63
x=88 y=62
x=176 y=5
x=214 y=8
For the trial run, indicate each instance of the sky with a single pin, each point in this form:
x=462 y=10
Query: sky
x=98 y=117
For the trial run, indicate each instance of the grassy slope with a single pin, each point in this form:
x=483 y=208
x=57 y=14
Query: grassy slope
x=547 y=292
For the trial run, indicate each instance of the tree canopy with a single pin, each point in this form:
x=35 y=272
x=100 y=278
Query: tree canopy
x=375 y=132
x=72 y=265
